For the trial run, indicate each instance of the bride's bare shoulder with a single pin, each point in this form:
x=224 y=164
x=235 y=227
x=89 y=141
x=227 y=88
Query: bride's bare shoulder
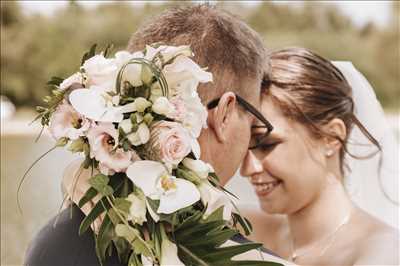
x=380 y=245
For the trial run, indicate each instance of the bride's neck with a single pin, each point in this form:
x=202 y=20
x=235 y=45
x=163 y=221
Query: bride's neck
x=322 y=216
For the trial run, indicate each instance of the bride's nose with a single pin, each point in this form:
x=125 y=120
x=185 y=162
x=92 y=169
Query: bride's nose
x=251 y=165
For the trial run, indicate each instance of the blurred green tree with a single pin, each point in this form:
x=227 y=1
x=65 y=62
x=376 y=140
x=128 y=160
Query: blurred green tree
x=35 y=47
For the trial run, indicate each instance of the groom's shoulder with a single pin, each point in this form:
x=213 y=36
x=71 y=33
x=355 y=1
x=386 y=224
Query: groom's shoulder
x=58 y=243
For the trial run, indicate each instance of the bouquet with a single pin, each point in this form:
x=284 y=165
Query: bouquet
x=136 y=117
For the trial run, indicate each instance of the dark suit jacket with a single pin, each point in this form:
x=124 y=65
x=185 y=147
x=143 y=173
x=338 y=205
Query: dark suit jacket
x=62 y=246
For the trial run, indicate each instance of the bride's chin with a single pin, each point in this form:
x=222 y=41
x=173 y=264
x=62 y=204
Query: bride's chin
x=273 y=206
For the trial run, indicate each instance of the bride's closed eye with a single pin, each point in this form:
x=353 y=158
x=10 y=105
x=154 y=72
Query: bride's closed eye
x=259 y=141
x=267 y=145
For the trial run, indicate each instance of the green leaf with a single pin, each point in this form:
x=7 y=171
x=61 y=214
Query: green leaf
x=55 y=81
x=100 y=207
x=132 y=236
x=193 y=258
x=107 y=50
x=199 y=230
x=216 y=215
x=100 y=183
x=89 y=54
x=244 y=223
x=248 y=262
x=104 y=238
x=134 y=260
x=231 y=251
x=114 y=216
x=61 y=142
x=214 y=239
x=89 y=195
x=123 y=249
x=77 y=145
x=122 y=204
x=188 y=175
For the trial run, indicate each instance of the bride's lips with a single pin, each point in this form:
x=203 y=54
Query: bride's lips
x=263 y=189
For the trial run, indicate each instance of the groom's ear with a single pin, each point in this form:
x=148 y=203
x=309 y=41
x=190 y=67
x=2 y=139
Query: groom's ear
x=220 y=117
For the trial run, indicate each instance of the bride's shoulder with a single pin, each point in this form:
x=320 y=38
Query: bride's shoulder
x=379 y=243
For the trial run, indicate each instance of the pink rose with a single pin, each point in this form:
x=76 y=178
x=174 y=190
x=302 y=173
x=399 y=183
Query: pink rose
x=173 y=142
x=66 y=122
x=103 y=139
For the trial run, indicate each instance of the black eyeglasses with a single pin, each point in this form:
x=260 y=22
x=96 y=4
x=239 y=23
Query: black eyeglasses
x=254 y=142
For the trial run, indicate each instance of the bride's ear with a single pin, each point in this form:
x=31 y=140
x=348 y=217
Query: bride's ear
x=221 y=116
x=336 y=130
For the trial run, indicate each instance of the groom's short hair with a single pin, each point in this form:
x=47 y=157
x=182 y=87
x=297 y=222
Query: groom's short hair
x=229 y=48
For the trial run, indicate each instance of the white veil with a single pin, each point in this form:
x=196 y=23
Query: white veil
x=373 y=183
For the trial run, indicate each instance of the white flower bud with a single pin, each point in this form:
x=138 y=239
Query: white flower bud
x=146 y=75
x=198 y=166
x=126 y=125
x=137 y=211
x=141 y=136
x=141 y=104
x=162 y=106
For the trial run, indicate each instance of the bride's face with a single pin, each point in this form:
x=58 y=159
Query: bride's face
x=288 y=170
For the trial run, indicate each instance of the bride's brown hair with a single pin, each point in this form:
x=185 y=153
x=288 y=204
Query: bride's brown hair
x=312 y=91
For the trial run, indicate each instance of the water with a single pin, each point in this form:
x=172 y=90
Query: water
x=40 y=195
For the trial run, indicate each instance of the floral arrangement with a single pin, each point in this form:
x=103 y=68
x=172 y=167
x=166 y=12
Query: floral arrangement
x=136 y=118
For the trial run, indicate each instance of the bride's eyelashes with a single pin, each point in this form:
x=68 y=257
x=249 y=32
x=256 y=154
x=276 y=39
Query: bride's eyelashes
x=267 y=146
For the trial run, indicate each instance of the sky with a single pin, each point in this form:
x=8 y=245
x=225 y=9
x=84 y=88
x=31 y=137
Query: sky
x=361 y=12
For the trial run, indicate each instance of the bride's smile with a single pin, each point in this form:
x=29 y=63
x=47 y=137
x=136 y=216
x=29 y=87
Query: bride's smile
x=264 y=189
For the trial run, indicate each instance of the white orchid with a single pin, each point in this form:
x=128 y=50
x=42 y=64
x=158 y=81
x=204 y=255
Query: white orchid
x=214 y=199
x=156 y=183
x=123 y=57
x=96 y=104
x=75 y=78
x=184 y=69
x=169 y=253
x=101 y=72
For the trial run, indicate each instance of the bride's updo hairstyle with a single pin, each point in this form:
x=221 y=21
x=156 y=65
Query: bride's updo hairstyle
x=312 y=91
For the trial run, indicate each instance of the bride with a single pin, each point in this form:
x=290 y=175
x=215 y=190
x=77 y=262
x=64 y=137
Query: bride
x=299 y=170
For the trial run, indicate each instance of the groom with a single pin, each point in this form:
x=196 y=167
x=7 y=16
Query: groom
x=235 y=55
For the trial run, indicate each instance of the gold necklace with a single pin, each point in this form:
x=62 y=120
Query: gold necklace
x=331 y=236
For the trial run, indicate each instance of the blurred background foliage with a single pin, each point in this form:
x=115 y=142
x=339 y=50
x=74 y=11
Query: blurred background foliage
x=35 y=47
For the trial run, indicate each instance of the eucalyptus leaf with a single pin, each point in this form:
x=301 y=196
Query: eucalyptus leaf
x=104 y=238
x=55 y=81
x=89 y=195
x=100 y=207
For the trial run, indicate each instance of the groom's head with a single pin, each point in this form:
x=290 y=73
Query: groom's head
x=235 y=55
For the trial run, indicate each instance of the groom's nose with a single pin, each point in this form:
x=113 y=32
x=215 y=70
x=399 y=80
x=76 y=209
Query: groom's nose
x=251 y=165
